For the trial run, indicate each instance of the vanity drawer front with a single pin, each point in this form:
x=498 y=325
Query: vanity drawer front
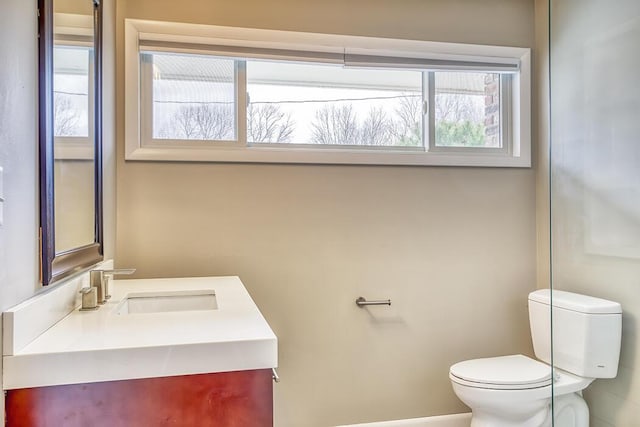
x=227 y=399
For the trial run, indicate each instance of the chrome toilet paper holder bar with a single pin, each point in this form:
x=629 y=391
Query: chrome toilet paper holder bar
x=362 y=301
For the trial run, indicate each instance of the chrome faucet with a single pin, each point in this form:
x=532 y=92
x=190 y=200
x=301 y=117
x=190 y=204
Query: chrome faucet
x=100 y=280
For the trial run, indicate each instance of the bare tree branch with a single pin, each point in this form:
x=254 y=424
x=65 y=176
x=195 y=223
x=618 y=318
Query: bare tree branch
x=213 y=122
x=201 y=121
x=456 y=107
x=65 y=117
x=377 y=128
x=267 y=123
x=184 y=123
x=407 y=129
x=340 y=126
x=335 y=125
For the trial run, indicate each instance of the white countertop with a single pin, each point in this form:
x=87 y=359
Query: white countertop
x=102 y=345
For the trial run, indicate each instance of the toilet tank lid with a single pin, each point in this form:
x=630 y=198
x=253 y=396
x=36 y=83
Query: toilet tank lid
x=576 y=302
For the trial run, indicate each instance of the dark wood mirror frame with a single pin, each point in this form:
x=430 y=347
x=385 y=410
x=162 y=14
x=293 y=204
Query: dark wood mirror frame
x=55 y=266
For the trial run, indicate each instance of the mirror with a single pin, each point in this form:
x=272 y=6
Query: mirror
x=70 y=136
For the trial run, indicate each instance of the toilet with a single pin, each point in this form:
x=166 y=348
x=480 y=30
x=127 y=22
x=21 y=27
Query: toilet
x=515 y=390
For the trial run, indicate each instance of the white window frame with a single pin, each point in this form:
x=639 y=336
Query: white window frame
x=516 y=151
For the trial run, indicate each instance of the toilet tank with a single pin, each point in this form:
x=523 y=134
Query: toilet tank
x=586 y=332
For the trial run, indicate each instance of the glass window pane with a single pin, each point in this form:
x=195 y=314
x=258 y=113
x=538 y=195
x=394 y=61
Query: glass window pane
x=71 y=91
x=467 y=109
x=330 y=105
x=193 y=97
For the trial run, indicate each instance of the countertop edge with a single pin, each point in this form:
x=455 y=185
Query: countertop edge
x=51 y=369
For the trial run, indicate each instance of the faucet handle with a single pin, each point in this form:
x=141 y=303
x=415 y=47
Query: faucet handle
x=89 y=298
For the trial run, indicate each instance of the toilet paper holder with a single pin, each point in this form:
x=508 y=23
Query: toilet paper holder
x=362 y=301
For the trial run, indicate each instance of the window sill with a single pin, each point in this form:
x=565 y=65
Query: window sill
x=326 y=156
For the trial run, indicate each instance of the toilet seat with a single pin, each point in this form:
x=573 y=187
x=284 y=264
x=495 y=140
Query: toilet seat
x=515 y=372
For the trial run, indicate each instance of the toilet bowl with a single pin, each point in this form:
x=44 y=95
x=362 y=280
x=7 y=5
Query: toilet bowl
x=517 y=391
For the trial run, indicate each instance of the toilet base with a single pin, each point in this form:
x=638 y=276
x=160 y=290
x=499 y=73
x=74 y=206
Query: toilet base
x=570 y=410
x=540 y=418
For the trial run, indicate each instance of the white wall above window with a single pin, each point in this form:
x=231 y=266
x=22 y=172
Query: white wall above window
x=314 y=98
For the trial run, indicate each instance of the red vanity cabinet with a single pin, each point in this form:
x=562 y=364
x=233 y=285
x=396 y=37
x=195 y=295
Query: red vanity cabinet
x=227 y=399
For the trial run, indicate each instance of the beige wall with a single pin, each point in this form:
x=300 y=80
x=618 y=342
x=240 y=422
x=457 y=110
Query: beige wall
x=596 y=176
x=454 y=248
x=501 y=22
x=18 y=152
x=18 y=93
x=19 y=265
x=75 y=203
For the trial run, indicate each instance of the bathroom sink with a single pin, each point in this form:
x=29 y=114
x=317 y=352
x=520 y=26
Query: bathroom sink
x=167 y=301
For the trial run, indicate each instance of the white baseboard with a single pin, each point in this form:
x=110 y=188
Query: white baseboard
x=455 y=420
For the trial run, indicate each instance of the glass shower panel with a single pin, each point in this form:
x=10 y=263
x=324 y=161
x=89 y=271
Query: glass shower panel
x=595 y=185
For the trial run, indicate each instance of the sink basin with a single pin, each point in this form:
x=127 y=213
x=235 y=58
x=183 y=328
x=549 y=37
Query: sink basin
x=167 y=301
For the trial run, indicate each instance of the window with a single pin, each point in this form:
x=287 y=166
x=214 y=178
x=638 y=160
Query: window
x=71 y=91
x=260 y=96
x=467 y=110
x=192 y=97
x=72 y=87
x=325 y=105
